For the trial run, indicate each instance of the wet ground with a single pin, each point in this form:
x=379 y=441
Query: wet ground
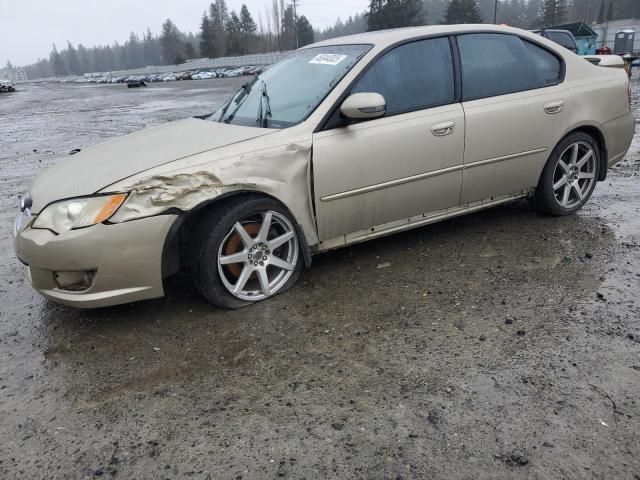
x=503 y=344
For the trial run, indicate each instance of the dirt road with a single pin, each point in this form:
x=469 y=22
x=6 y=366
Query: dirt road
x=504 y=344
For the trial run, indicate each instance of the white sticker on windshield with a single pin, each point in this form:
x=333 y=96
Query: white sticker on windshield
x=328 y=59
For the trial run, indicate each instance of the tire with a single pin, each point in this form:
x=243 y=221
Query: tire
x=219 y=239
x=569 y=177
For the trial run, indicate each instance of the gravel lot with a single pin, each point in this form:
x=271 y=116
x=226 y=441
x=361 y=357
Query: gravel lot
x=503 y=344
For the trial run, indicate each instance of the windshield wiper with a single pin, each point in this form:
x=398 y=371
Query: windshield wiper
x=237 y=99
x=264 y=113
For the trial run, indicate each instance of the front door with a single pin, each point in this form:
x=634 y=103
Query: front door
x=405 y=164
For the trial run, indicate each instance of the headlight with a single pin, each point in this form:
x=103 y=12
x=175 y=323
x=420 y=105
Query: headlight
x=78 y=212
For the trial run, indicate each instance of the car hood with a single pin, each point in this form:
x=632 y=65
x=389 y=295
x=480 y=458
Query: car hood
x=100 y=165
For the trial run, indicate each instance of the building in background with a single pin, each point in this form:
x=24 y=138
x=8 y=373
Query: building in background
x=13 y=74
x=19 y=75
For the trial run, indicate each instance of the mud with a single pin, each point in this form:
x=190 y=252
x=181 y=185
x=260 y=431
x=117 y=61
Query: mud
x=502 y=344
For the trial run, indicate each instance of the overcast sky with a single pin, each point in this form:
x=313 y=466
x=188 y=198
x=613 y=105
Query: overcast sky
x=29 y=27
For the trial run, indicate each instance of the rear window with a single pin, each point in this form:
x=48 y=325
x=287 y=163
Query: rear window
x=548 y=64
x=497 y=64
x=562 y=38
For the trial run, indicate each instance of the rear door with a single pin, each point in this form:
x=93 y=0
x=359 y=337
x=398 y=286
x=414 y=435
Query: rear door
x=514 y=105
x=409 y=162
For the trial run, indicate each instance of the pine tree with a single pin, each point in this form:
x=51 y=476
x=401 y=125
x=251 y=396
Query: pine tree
x=170 y=41
x=83 y=59
x=219 y=16
x=409 y=13
x=377 y=18
x=555 y=12
x=207 y=45
x=463 y=11
x=248 y=30
x=305 y=31
x=149 y=48
x=289 y=29
x=189 y=50
x=246 y=21
x=133 y=49
x=57 y=63
x=394 y=14
x=233 y=32
x=71 y=57
x=355 y=24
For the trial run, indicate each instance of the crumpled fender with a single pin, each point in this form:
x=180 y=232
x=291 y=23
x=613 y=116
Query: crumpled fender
x=282 y=172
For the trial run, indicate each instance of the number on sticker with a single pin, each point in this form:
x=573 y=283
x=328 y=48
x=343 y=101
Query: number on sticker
x=328 y=59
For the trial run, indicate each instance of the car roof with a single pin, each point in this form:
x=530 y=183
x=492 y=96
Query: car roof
x=384 y=38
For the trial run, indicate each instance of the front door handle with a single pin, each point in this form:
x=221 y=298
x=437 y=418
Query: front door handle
x=554 y=107
x=442 y=129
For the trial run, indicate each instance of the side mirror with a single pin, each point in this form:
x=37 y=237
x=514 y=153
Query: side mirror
x=362 y=106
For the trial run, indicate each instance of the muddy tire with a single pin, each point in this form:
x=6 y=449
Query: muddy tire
x=569 y=177
x=246 y=252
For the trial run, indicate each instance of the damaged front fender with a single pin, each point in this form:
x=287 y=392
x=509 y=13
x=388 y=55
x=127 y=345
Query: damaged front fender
x=158 y=194
x=282 y=172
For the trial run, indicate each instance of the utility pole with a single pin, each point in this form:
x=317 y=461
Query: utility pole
x=586 y=14
x=295 y=18
x=495 y=13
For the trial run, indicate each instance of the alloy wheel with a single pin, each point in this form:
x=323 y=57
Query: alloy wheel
x=574 y=175
x=258 y=256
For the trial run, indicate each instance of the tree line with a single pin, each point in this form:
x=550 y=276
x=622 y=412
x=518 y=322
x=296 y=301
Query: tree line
x=528 y=14
x=225 y=32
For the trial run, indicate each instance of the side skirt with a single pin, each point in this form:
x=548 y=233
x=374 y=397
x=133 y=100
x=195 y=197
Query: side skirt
x=416 y=221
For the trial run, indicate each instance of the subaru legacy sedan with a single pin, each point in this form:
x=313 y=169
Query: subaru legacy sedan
x=342 y=141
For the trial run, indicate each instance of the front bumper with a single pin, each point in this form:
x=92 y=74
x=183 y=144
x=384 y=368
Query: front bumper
x=125 y=260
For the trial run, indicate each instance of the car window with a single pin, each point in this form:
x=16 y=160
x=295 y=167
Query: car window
x=496 y=64
x=562 y=38
x=548 y=64
x=412 y=76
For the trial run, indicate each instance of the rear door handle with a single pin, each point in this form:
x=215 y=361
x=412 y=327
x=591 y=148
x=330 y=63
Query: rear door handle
x=442 y=129
x=554 y=107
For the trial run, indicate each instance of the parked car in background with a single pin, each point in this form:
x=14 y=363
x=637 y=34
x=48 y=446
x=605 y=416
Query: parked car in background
x=202 y=75
x=184 y=76
x=561 y=37
x=6 y=86
x=338 y=143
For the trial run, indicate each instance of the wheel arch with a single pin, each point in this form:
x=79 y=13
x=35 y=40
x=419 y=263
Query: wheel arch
x=597 y=134
x=175 y=254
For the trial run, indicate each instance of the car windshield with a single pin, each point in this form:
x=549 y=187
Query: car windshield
x=291 y=89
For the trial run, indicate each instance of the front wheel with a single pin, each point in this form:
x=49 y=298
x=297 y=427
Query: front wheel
x=246 y=252
x=569 y=177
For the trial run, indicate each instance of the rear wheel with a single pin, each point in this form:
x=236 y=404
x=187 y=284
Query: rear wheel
x=570 y=176
x=246 y=252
